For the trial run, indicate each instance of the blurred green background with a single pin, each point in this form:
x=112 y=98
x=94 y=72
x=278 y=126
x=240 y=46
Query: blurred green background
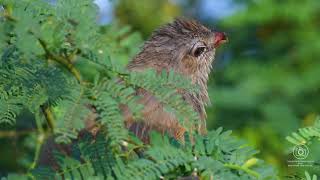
x=266 y=80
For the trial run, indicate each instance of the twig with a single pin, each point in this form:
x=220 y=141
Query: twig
x=7 y=15
x=13 y=133
x=40 y=139
x=48 y=116
x=245 y=169
x=61 y=61
x=65 y=63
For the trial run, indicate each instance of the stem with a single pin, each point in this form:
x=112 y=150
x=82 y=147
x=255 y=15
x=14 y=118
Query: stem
x=67 y=64
x=10 y=134
x=40 y=139
x=7 y=13
x=48 y=116
x=247 y=170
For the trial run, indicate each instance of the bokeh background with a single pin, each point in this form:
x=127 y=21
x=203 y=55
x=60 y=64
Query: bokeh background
x=266 y=80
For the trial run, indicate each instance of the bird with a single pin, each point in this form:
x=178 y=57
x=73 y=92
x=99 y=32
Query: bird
x=184 y=46
x=188 y=48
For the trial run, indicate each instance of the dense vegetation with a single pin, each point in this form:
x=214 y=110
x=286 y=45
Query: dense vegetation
x=56 y=59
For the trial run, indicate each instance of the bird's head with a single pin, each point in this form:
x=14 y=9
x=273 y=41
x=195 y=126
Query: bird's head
x=185 y=46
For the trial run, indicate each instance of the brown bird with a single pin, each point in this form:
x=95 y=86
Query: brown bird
x=187 y=48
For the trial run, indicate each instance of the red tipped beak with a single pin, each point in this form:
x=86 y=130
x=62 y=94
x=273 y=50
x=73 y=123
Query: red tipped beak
x=220 y=38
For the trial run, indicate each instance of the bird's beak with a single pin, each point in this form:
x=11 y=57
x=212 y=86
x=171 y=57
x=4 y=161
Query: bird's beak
x=220 y=38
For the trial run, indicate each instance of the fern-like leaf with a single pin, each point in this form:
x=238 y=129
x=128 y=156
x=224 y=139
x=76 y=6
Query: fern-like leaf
x=97 y=153
x=305 y=135
x=73 y=115
x=108 y=108
x=9 y=109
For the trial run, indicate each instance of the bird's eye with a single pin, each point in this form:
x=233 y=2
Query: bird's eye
x=198 y=50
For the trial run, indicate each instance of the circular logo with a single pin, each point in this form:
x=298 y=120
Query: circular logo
x=300 y=151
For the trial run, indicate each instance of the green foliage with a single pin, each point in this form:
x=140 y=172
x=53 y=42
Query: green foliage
x=309 y=138
x=217 y=155
x=305 y=135
x=72 y=115
x=308 y=176
x=57 y=62
x=108 y=108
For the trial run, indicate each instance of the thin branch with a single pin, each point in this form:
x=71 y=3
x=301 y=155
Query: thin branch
x=6 y=14
x=48 y=116
x=67 y=64
x=40 y=139
x=245 y=169
x=14 y=133
x=61 y=61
